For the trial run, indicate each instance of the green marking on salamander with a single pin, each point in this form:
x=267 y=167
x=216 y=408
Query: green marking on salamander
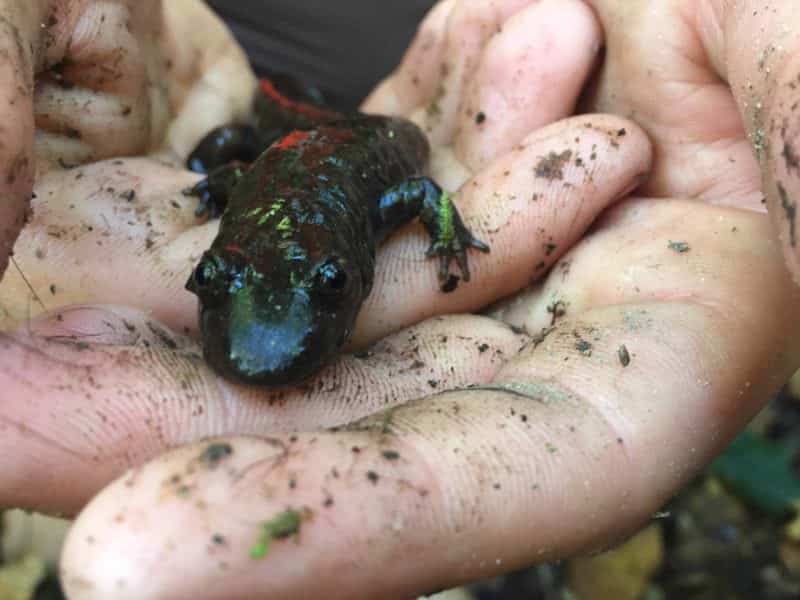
x=285 y=224
x=446 y=219
x=274 y=208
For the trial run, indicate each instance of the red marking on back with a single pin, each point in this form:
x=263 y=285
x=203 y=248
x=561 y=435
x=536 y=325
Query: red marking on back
x=275 y=95
x=234 y=249
x=292 y=140
x=303 y=108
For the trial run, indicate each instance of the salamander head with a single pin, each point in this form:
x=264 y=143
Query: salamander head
x=274 y=326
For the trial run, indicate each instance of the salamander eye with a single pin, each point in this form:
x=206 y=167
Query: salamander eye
x=205 y=273
x=332 y=277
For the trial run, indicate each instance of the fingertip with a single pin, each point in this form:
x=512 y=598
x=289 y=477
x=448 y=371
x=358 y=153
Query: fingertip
x=382 y=100
x=627 y=133
x=192 y=523
x=469 y=27
x=415 y=80
x=140 y=537
x=603 y=143
x=107 y=325
x=530 y=74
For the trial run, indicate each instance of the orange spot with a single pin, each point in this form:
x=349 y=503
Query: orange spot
x=234 y=249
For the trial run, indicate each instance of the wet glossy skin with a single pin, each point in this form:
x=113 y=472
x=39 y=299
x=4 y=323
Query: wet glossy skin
x=276 y=112
x=282 y=284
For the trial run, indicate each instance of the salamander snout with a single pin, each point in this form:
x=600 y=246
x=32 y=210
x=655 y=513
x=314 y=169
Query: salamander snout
x=258 y=332
x=274 y=344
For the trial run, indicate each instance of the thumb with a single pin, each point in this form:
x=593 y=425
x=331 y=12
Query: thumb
x=757 y=49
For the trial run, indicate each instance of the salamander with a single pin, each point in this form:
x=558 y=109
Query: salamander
x=294 y=259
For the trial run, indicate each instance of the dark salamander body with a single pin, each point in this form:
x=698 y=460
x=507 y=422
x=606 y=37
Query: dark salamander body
x=283 y=282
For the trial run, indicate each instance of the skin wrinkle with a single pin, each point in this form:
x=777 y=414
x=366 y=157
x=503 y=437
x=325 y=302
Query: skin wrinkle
x=454 y=502
x=47 y=441
x=706 y=21
x=701 y=60
x=254 y=474
x=147 y=356
x=55 y=40
x=514 y=389
x=620 y=428
x=31 y=347
x=403 y=424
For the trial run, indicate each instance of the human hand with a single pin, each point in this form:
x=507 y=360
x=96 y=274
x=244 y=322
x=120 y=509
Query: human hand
x=457 y=486
x=714 y=83
x=83 y=80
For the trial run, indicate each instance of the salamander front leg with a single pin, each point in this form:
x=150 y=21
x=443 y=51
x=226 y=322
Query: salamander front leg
x=214 y=190
x=224 y=145
x=450 y=238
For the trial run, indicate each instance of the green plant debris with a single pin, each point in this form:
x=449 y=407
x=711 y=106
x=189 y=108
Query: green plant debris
x=679 y=247
x=215 y=453
x=583 y=347
x=282 y=526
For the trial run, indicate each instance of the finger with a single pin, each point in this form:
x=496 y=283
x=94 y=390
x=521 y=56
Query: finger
x=470 y=26
x=211 y=82
x=102 y=83
x=751 y=49
x=414 y=81
x=674 y=92
x=653 y=252
x=529 y=206
x=81 y=125
x=129 y=389
x=468 y=483
x=103 y=234
x=764 y=80
x=19 y=34
x=529 y=75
